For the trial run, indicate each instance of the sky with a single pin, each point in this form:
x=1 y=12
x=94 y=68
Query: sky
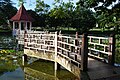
x=30 y=4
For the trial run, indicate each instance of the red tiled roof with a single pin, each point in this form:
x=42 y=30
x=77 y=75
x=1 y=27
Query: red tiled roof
x=22 y=15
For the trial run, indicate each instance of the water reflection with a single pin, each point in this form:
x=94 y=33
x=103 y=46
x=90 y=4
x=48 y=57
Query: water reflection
x=6 y=42
x=17 y=74
x=31 y=74
x=10 y=68
x=44 y=70
x=38 y=70
x=9 y=62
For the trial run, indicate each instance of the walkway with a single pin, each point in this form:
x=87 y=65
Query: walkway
x=102 y=71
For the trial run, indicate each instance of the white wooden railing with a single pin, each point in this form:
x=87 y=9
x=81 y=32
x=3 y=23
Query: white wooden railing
x=40 y=41
x=70 y=50
x=20 y=35
x=101 y=47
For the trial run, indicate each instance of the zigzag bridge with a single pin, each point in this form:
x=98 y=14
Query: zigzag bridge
x=78 y=53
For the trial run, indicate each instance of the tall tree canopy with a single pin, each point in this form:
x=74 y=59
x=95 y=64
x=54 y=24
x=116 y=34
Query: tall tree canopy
x=68 y=15
x=6 y=11
x=42 y=7
x=107 y=12
x=83 y=19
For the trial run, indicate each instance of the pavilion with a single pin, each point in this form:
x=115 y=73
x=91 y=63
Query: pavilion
x=22 y=21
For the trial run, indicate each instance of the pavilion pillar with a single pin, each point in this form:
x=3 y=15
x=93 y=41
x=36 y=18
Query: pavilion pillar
x=26 y=28
x=30 y=25
x=19 y=25
x=13 y=25
x=13 y=30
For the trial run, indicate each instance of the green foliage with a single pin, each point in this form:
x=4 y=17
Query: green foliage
x=57 y=13
x=6 y=12
x=117 y=56
x=67 y=15
x=107 y=12
x=84 y=19
x=39 y=19
x=5 y=68
x=42 y=7
x=117 y=53
x=7 y=52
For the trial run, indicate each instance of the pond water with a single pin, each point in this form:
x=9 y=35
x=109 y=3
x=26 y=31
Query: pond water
x=11 y=67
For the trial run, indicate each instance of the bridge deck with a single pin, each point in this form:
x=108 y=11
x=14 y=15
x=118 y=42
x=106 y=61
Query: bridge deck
x=102 y=71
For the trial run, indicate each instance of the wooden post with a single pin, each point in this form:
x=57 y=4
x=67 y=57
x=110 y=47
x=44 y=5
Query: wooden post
x=111 y=55
x=13 y=25
x=57 y=66
x=84 y=52
x=26 y=26
x=20 y=25
x=30 y=26
x=76 y=35
x=76 y=44
x=24 y=59
x=76 y=40
x=25 y=35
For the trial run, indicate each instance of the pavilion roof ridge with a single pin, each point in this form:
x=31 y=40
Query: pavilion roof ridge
x=22 y=15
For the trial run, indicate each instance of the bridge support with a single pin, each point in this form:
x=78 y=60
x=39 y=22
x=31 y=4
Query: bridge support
x=84 y=52
x=57 y=66
x=111 y=55
x=24 y=59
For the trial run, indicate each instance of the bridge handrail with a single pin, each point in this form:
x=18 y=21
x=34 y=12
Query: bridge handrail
x=68 y=47
x=71 y=47
x=101 y=47
x=40 y=41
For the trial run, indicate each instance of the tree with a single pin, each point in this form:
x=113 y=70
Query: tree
x=84 y=19
x=43 y=10
x=57 y=14
x=107 y=12
x=6 y=11
x=41 y=7
x=69 y=13
x=62 y=13
x=39 y=20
